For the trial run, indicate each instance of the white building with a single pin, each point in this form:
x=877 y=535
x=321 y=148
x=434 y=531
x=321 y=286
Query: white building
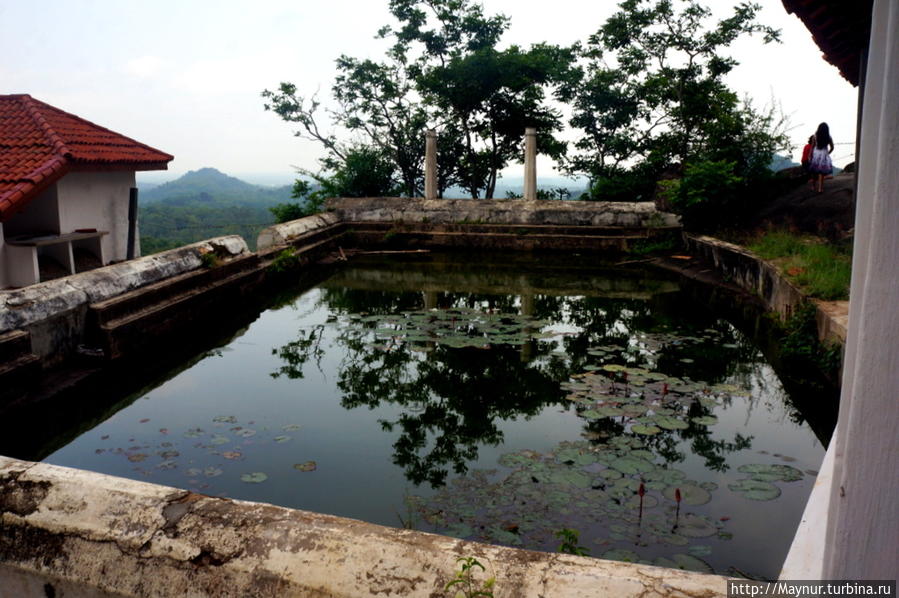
x=65 y=185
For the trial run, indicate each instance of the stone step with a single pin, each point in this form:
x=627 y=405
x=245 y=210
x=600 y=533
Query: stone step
x=176 y=313
x=22 y=371
x=137 y=300
x=463 y=240
x=13 y=344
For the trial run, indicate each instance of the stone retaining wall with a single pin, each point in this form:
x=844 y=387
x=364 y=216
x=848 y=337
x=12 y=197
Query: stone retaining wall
x=501 y=211
x=73 y=532
x=54 y=311
x=742 y=267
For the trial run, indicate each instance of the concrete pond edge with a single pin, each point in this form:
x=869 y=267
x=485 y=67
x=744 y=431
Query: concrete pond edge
x=100 y=535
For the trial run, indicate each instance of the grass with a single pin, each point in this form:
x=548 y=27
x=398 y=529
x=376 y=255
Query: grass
x=820 y=268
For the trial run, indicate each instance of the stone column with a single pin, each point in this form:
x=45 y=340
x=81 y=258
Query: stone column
x=431 y=164
x=530 y=163
x=863 y=519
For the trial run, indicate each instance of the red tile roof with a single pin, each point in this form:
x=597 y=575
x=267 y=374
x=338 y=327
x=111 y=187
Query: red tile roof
x=40 y=143
x=840 y=28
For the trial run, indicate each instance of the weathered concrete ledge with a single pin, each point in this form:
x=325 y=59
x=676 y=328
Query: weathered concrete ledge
x=103 y=535
x=54 y=311
x=501 y=211
x=284 y=233
x=763 y=278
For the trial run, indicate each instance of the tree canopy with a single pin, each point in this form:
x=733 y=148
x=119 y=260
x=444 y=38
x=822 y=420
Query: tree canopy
x=646 y=94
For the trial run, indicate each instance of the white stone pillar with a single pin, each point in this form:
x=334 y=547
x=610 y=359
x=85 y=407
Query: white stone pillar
x=431 y=164
x=530 y=163
x=863 y=519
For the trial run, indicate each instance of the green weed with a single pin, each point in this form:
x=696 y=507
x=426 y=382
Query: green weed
x=465 y=585
x=822 y=270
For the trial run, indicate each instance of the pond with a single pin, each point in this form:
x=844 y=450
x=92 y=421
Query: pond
x=502 y=401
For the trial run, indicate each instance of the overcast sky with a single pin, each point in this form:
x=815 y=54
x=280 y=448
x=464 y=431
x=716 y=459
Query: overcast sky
x=185 y=76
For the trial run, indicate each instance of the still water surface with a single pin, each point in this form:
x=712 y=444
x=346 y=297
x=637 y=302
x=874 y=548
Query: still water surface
x=493 y=402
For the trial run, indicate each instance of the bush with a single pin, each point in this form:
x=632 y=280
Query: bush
x=709 y=195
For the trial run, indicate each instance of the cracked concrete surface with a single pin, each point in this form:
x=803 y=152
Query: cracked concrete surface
x=99 y=535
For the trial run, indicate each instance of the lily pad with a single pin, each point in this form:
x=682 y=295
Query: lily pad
x=689 y=562
x=232 y=455
x=291 y=427
x=245 y=432
x=621 y=554
x=696 y=526
x=771 y=473
x=305 y=466
x=225 y=419
x=283 y=438
x=755 y=489
x=631 y=465
x=705 y=420
x=670 y=423
x=645 y=430
x=691 y=494
x=256 y=477
x=212 y=472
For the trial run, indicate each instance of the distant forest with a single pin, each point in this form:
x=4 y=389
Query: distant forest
x=202 y=204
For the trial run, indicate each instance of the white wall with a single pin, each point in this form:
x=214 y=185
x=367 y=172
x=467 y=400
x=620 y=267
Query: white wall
x=3 y=266
x=97 y=200
x=41 y=214
x=863 y=523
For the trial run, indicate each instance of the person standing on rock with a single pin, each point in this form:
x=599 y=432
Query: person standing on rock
x=806 y=159
x=820 y=164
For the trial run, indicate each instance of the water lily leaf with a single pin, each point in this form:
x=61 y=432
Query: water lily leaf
x=700 y=550
x=194 y=433
x=305 y=466
x=691 y=494
x=631 y=465
x=696 y=526
x=218 y=439
x=256 y=477
x=169 y=454
x=137 y=457
x=645 y=430
x=165 y=465
x=576 y=478
x=755 y=489
x=245 y=432
x=284 y=438
x=670 y=423
x=771 y=473
x=621 y=554
x=232 y=455
x=705 y=420
x=211 y=472
x=225 y=419
x=691 y=563
x=291 y=427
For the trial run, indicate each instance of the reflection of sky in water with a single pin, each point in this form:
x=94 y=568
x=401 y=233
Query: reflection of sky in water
x=354 y=449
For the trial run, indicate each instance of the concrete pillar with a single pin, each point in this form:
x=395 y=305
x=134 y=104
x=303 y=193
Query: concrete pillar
x=863 y=519
x=431 y=164
x=530 y=163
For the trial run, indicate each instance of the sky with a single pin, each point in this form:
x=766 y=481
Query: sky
x=185 y=76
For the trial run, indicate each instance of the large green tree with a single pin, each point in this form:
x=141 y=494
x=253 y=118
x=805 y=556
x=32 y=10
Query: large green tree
x=650 y=94
x=443 y=71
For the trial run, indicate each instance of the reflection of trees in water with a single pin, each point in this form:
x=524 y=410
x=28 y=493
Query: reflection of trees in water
x=451 y=399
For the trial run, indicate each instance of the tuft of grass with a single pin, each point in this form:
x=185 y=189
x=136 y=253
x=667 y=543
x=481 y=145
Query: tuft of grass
x=823 y=270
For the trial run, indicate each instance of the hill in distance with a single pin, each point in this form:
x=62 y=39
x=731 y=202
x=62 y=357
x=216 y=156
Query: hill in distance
x=202 y=204
x=211 y=186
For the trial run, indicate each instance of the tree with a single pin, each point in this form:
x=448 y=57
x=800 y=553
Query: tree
x=443 y=71
x=650 y=93
x=488 y=96
x=364 y=172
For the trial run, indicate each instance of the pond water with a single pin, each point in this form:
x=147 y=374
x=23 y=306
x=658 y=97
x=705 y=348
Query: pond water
x=499 y=401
